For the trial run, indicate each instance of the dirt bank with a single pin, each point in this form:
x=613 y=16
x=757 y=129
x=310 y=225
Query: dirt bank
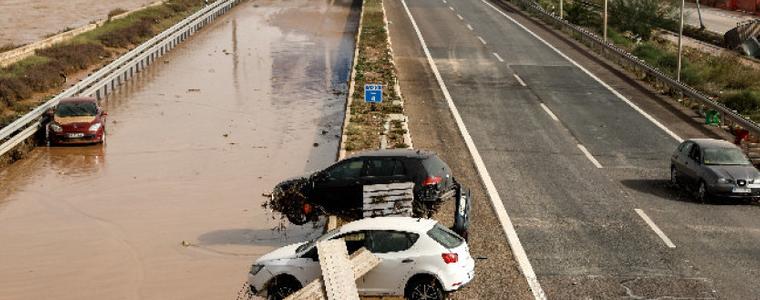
x=191 y=146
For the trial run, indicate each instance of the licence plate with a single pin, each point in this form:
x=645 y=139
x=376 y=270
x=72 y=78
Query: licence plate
x=75 y=135
x=742 y=190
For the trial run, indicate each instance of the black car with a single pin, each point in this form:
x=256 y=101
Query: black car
x=338 y=189
x=715 y=168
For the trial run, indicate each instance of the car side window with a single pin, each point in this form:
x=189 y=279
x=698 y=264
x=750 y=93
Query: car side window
x=347 y=169
x=695 y=153
x=354 y=240
x=311 y=254
x=384 y=167
x=385 y=241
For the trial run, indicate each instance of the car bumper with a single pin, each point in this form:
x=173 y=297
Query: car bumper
x=84 y=139
x=731 y=191
x=459 y=277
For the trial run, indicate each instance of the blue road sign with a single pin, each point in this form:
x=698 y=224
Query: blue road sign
x=373 y=93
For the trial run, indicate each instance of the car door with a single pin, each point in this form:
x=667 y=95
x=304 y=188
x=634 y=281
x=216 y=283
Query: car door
x=681 y=155
x=340 y=186
x=692 y=164
x=397 y=260
x=307 y=266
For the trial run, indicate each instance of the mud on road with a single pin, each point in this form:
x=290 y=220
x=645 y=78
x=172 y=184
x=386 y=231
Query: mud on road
x=170 y=208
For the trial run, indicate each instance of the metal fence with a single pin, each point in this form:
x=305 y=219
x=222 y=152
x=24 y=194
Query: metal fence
x=108 y=78
x=629 y=61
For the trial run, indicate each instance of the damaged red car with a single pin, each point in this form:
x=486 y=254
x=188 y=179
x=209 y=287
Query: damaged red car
x=77 y=121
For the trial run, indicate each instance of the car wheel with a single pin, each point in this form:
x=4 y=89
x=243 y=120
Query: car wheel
x=702 y=192
x=425 y=288
x=674 y=176
x=282 y=287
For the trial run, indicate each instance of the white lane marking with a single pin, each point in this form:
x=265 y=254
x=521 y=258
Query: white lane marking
x=549 y=112
x=451 y=8
x=482 y=40
x=631 y=104
x=470 y=27
x=498 y=206
x=444 y=1
x=656 y=229
x=498 y=57
x=460 y=17
x=521 y=81
x=589 y=156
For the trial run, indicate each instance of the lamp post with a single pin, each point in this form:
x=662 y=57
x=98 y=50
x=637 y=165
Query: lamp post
x=605 y=21
x=680 y=44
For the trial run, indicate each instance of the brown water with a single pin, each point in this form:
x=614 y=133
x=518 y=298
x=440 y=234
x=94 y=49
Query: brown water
x=192 y=144
x=27 y=21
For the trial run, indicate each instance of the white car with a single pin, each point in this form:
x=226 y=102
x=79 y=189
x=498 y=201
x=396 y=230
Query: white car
x=420 y=259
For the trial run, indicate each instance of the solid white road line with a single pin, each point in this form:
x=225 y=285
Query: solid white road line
x=520 y=80
x=656 y=229
x=498 y=57
x=460 y=17
x=482 y=40
x=549 y=112
x=631 y=104
x=589 y=156
x=470 y=27
x=498 y=206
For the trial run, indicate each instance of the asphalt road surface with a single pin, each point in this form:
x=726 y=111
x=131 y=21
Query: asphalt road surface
x=170 y=207
x=582 y=173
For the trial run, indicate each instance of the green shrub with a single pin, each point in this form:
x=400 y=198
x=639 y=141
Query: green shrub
x=129 y=35
x=13 y=89
x=639 y=16
x=648 y=53
x=74 y=57
x=42 y=77
x=581 y=15
x=745 y=102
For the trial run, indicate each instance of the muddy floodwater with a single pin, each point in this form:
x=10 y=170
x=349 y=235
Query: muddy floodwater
x=170 y=207
x=26 y=21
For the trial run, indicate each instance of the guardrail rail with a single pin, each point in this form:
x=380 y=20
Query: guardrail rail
x=108 y=78
x=627 y=60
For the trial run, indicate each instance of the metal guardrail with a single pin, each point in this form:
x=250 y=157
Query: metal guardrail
x=727 y=115
x=118 y=71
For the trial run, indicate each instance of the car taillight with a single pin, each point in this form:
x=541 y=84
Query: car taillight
x=450 y=258
x=432 y=180
x=307 y=208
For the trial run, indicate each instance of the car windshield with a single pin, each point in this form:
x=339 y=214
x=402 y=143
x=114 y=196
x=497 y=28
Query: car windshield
x=311 y=243
x=725 y=156
x=445 y=237
x=76 y=109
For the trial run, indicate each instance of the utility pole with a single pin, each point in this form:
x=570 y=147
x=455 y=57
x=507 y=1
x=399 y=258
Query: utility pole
x=605 y=21
x=561 y=9
x=680 y=44
x=699 y=12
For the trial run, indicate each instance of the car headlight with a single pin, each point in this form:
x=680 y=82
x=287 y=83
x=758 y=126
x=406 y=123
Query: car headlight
x=724 y=180
x=55 y=127
x=255 y=269
x=95 y=127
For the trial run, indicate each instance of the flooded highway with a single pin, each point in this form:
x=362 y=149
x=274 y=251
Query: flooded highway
x=170 y=206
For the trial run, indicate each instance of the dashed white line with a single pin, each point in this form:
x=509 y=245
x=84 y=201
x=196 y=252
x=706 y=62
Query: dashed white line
x=589 y=156
x=482 y=40
x=460 y=17
x=498 y=57
x=616 y=93
x=656 y=229
x=498 y=205
x=451 y=8
x=444 y=1
x=470 y=27
x=521 y=81
x=549 y=112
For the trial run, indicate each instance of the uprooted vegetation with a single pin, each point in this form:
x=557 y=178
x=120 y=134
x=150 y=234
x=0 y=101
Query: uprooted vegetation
x=49 y=68
x=374 y=64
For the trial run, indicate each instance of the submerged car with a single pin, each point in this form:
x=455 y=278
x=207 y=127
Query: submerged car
x=419 y=259
x=77 y=121
x=338 y=188
x=715 y=168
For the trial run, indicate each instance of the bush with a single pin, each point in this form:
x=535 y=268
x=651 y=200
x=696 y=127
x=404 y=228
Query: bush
x=639 y=16
x=13 y=89
x=74 y=57
x=745 y=102
x=581 y=15
x=42 y=77
x=130 y=35
x=648 y=53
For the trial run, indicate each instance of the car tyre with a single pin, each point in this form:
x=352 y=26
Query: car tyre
x=281 y=287
x=424 y=288
x=702 y=195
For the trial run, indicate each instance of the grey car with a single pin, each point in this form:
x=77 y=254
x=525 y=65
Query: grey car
x=716 y=168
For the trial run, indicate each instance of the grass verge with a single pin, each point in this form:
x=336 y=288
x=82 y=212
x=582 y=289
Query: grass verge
x=374 y=65
x=49 y=68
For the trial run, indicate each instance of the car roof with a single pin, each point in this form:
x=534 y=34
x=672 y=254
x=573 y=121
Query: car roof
x=411 y=153
x=713 y=143
x=78 y=99
x=407 y=224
